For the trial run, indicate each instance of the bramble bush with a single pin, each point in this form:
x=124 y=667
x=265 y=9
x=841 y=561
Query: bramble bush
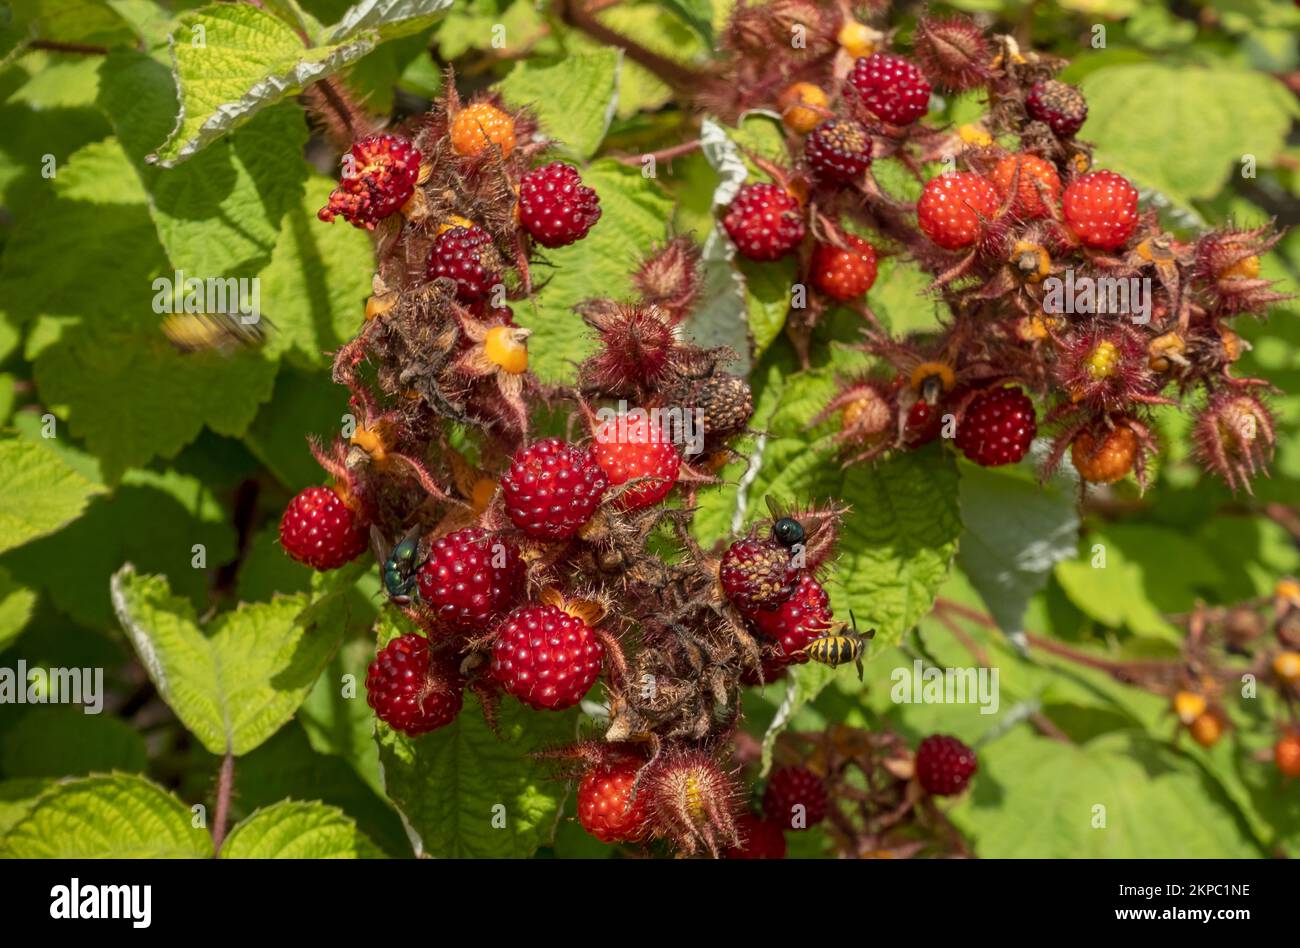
x=581 y=429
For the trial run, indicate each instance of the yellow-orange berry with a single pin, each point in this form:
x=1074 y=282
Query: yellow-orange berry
x=857 y=39
x=455 y=221
x=477 y=125
x=1105 y=460
x=506 y=346
x=1247 y=268
x=974 y=134
x=1189 y=706
x=481 y=494
x=1165 y=349
x=1286 y=665
x=1207 y=729
x=1101 y=362
x=803 y=106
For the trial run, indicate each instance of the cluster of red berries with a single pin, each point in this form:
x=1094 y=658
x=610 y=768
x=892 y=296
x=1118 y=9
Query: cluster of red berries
x=999 y=232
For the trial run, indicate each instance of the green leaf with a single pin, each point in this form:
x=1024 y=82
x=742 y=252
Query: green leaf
x=17 y=797
x=39 y=492
x=117 y=354
x=1135 y=584
x=236 y=687
x=58 y=742
x=314 y=289
x=767 y=292
x=574 y=98
x=113 y=816
x=698 y=14
x=337 y=718
x=250 y=59
x=220 y=214
x=1037 y=797
x=452 y=784
x=1184 y=129
x=151 y=519
x=17 y=603
x=1016 y=531
x=293 y=830
x=634 y=213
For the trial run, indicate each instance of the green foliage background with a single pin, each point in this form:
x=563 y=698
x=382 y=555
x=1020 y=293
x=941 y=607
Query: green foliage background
x=102 y=190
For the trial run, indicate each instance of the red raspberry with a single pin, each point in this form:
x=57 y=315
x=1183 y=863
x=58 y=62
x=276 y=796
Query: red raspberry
x=1038 y=187
x=1059 y=105
x=891 y=88
x=764 y=221
x=466 y=256
x=320 y=530
x=379 y=175
x=844 y=274
x=924 y=422
x=460 y=583
x=998 y=427
x=545 y=657
x=944 y=765
x=555 y=206
x=763 y=839
x=954 y=207
x=1101 y=208
x=631 y=447
x=757 y=574
x=552 y=488
x=789 y=787
x=606 y=807
x=838 y=150
x=803 y=617
x=413 y=690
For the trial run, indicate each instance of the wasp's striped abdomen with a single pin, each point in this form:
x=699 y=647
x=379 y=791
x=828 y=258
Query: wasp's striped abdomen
x=834 y=650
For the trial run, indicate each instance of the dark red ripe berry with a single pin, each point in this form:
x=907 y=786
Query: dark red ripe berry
x=470 y=578
x=1101 y=209
x=805 y=616
x=552 y=488
x=319 y=530
x=606 y=807
x=757 y=574
x=838 y=150
x=630 y=448
x=844 y=273
x=944 y=765
x=795 y=787
x=891 y=88
x=545 y=657
x=764 y=221
x=465 y=255
x=1060 y=105
x=998 y=427
x=379 y=175
x=762 y=839
x=555 y=207
x=923 y=423
x=413 y=690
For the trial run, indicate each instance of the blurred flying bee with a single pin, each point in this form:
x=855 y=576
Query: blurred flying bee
x=212 y=332
x=838 y=647
x=401 y=563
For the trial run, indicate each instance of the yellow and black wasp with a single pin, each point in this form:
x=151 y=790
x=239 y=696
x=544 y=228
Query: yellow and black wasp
x=839 y=647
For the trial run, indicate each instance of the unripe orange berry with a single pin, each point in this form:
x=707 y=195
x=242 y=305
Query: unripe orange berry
x=1189 y=706
x=477 y=125
x=857 y=39
x=506 y=346
x=1207 y=729
x=1286 y=754
x=1107 y=460
x=803 y=106
x=1286 y=665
